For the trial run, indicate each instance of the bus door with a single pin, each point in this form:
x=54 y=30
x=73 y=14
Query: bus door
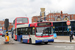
x=19 y=34
x=14 y=32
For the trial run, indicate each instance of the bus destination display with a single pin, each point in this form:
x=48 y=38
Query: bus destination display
x=43 y=24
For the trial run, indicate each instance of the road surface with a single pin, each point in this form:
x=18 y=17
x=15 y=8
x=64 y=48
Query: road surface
x=14 y=45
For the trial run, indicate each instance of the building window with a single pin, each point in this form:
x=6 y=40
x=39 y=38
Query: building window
x=64 y=15
x=53 y=16
x=35 y=19
x=49 y=16
x=69 y=17
x=3 y=24
x=73 y=23
x=49 y=19
x=72 y=17
x=11 y=24
x=0 y=24
x=57 y=15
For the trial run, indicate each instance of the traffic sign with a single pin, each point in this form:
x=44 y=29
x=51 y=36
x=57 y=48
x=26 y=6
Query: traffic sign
x=69 y=27
x=68 y=22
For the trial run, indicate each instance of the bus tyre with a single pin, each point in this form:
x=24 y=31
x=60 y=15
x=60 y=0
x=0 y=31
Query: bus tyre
x=15 y=39
x=45 y=42
x=21 y=41
x=30 y=41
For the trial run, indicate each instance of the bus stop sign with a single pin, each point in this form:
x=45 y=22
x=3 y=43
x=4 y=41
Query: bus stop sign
x=68 y=22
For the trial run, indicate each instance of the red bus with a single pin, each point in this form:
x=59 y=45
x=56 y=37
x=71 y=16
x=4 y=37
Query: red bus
x=16 y=22
x=1 y=32
x=41 y=32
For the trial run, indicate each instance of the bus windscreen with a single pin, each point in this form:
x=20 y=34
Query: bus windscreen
x=22 y=20
x=43 y=31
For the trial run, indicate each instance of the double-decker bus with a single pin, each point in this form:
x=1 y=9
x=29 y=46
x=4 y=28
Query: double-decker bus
x=35 y=32
x=16 y=22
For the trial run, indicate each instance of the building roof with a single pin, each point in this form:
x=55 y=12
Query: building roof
x=61 y=21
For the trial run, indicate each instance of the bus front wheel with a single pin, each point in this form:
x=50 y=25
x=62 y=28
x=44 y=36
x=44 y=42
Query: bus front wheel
x=45 y=42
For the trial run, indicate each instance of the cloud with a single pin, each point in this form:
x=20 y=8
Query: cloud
x=18 y=8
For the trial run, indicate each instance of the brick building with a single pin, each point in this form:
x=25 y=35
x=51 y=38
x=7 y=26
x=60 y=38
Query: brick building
x=55 y=17
x=59 y=22
x=2 y=25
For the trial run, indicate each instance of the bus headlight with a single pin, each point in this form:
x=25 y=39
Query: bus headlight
x=38 y=38
x=52 y=36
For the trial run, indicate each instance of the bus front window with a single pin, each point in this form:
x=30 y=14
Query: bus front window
x=43 y=31
x=22 y=20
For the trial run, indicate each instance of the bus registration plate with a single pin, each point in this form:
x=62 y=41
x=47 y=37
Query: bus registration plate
x=25 y=37
x=45 y=40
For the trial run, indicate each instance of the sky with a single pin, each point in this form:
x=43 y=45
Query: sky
x=28 y=8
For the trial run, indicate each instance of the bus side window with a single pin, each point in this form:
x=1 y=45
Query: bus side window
x=29 y=31
x=33 y=30
x=18 y=31
x=50 y=30
x=15 y=31
x=26 y=31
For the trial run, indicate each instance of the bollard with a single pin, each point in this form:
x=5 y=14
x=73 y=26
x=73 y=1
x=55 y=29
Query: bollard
x=6 y=38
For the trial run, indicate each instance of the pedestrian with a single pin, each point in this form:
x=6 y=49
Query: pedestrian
x=71 y=35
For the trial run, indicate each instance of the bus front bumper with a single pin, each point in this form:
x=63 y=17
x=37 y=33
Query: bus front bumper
x=45 y=40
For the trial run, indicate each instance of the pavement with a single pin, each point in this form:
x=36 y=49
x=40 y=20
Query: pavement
x=11 y=41
x=59 y=39
x=63 y=39
x=60 y=43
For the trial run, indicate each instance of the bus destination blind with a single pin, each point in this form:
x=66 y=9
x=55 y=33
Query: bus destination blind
x=43 y=24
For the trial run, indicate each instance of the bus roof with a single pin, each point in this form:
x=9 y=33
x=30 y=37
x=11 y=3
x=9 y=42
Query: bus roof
x=41 y=24
x=21 y=17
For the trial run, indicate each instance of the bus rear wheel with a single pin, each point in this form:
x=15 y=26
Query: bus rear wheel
x=30 y=41
x=15 y=39
x=21 y=41
x=45 y=42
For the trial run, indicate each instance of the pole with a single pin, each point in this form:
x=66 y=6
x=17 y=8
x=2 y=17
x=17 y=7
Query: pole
x=6 y=35
x=3 y=25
